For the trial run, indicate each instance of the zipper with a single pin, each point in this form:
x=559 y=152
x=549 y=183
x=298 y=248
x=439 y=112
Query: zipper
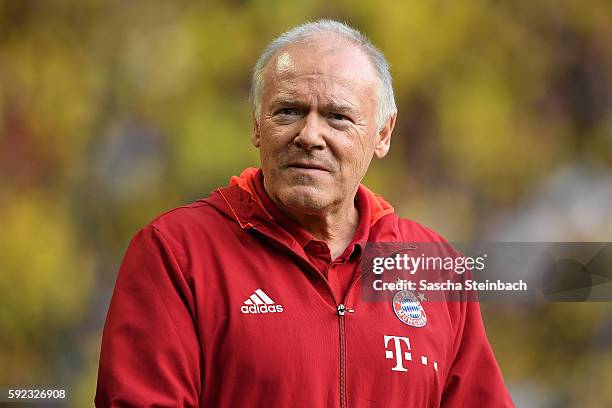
x=341 y=312
x=342 y=309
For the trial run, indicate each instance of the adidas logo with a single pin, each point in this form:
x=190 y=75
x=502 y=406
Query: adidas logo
x=259 y=302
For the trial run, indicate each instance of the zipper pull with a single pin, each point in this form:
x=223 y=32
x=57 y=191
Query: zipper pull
x=342 y=310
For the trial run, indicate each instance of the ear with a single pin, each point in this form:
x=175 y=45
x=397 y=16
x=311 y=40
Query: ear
x=383 y=142
x=255 y=133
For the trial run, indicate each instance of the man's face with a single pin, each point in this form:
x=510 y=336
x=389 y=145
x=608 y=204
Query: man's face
x=317 y=128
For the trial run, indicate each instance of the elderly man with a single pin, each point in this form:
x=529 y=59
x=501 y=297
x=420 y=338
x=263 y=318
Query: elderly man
x=250 y=297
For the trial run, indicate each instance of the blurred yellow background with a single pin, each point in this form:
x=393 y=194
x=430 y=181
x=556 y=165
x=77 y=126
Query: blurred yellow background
x=112 y=112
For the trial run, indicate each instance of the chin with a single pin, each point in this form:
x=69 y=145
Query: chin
x=304 y=199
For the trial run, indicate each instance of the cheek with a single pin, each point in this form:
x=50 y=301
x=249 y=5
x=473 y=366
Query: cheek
x=355 y=153
x=274 y=143
x=274 y=138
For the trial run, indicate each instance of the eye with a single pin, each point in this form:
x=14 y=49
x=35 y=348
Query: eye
x=337 y=116
x=288 y=111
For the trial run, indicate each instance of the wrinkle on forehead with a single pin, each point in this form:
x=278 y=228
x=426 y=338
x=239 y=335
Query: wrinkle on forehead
x=335 y=90
x=337 y=99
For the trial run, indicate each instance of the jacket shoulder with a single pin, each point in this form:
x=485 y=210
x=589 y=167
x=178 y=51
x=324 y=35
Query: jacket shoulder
x=193 y=222
x=199 y=217
x=184 y=216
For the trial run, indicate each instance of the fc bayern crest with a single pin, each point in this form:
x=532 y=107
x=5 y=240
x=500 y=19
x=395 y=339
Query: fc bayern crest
x=408 y=309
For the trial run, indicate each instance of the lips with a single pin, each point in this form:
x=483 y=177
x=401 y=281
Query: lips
x=308 y=166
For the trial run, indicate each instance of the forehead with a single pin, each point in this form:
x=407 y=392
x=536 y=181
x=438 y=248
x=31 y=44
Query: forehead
x=327 y=65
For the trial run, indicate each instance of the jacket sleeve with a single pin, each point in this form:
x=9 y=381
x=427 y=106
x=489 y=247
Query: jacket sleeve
x=474 y=379
x=150 y=354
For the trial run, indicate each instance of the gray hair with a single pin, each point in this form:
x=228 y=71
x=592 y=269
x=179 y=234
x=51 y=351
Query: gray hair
x=386 y=100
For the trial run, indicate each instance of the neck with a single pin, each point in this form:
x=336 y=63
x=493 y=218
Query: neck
x=335 y=226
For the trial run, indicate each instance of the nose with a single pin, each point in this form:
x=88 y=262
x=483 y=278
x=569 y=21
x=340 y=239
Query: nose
x=311 y=135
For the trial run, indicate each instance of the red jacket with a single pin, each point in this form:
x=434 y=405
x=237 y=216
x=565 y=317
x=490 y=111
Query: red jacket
x=217 y=305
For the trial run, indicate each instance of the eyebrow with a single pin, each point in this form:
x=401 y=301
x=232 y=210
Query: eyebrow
x=338 y=107
x=332 y=106
x=283 y=100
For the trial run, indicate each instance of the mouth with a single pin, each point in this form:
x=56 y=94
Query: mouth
x=307 y=166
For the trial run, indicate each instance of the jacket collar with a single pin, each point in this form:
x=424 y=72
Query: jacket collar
x=242 y=203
